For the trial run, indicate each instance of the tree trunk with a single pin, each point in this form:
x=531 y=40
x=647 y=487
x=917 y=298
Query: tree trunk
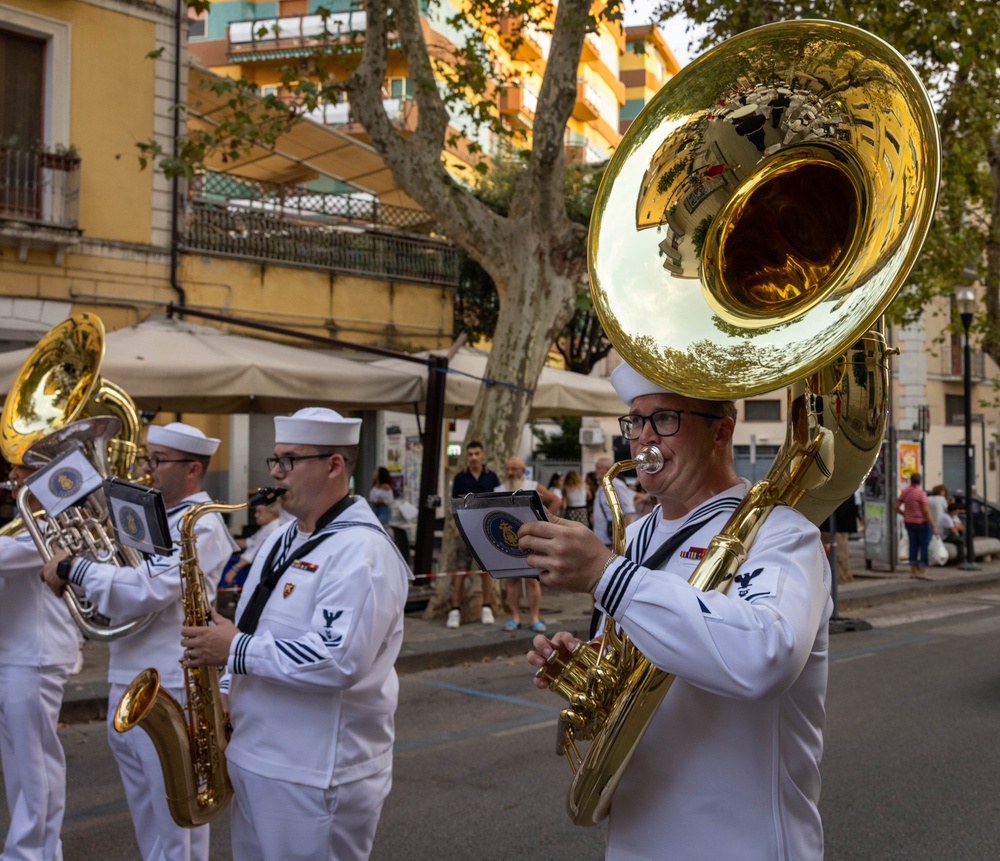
x=536 y=301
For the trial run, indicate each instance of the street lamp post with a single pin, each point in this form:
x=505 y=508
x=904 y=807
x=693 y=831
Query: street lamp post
x=965 y=299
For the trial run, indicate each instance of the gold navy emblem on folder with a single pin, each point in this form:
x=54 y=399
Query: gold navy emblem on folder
x=501 y=530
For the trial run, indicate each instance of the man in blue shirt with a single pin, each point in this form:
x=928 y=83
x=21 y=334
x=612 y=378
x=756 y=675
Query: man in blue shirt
x=475 y=478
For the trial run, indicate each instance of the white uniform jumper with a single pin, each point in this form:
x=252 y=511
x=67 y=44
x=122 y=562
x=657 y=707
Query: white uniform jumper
x=313 y=694
x=729 y=765
x=124 y=593
x=38 y=647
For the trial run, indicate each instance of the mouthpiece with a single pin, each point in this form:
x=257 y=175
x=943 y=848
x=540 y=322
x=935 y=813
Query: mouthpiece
x=649 y=459
x=266 y=495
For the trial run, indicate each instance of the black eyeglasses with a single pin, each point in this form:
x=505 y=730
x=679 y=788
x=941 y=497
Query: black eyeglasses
x=154 y=461
x=664 y=422
x=286 y=463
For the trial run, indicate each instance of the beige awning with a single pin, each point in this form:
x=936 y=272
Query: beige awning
x=175 y=366
x=558 y=392
x=306 y=149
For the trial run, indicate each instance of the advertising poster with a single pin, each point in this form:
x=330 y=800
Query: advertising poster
x=908 y=454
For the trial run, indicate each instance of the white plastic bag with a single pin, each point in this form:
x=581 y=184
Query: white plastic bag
x=937 y=553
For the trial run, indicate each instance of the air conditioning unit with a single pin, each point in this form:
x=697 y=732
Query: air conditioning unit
x=591 y=436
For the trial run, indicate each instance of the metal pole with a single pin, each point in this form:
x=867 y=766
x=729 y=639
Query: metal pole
x=970 y=463
x=423 y=558
x=986 y=510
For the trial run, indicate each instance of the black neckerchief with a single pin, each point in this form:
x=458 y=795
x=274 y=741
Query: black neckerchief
x=271 y=573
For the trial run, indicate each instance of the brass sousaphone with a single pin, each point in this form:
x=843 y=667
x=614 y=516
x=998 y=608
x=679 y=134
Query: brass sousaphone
x=755 y=222
x=57 y=401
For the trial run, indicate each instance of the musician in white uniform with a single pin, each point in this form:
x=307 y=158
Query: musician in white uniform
x=312 y=689
x=177 y=458
x=729 y=765
x=38 y=647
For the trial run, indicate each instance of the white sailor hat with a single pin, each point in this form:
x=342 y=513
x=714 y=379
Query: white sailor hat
x=182 y=437
x=316 y=426
x=630 y=384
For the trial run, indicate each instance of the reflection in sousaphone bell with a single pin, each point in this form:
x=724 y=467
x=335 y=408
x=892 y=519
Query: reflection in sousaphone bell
x=743 y=282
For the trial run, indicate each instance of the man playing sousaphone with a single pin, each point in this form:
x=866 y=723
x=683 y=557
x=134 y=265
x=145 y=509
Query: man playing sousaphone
x=729 y=764
x=177 y=458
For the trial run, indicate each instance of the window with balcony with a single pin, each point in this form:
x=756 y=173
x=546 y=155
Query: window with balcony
x=22 y=61
x=39 y=171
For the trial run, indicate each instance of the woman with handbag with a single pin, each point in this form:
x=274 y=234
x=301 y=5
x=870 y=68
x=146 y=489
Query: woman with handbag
x=912 y=504
x=575 y=498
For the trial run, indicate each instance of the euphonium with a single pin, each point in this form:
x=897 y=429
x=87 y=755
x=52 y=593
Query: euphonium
x=191 y=746
x=779 y=188
x=59 y=400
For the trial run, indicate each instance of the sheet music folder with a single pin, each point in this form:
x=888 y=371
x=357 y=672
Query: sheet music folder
x=488 y=524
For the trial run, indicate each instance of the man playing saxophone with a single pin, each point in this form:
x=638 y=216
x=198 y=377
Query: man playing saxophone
x=177 y=458
x=38 y=647
x=728 y=766
x=312 y=688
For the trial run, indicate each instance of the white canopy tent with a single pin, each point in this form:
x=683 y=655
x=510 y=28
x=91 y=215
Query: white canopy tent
x=558 y=392
x=176 y=366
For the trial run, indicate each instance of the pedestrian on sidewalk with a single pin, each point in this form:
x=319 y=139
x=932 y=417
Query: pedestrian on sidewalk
x=937 y=502
x=602 y=508
x=514 y=480
x=845 y=523
x=475 y=478
x=952 y=530
x=912 y=504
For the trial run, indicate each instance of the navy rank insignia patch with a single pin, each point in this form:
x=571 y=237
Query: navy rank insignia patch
x=304 y=566
x=501 y=530
x=289 y=588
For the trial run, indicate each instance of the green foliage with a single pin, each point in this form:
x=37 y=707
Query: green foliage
x=564 y=445
x=582 y=342
x=955 y=47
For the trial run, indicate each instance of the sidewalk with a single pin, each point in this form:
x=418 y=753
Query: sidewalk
x=431 y=644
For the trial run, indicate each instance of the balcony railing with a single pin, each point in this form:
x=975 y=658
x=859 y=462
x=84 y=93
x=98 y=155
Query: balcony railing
x=953 y=362
x=294 y=31
x=248 y=233
x=296 y=202
x=38 y=186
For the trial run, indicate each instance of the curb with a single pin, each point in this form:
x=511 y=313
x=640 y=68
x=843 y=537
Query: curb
x=88 y=702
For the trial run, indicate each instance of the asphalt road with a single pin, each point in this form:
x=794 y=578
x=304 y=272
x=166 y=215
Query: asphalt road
x=910 y=770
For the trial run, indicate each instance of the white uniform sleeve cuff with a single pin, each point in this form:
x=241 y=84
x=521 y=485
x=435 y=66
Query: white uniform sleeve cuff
x=617 y=585
x=239 y=653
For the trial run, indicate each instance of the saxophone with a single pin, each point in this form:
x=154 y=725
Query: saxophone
x=191 y=741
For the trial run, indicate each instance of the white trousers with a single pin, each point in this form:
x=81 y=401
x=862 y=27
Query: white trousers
x=34 y=764
x=274 y=820
x=159 y=837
